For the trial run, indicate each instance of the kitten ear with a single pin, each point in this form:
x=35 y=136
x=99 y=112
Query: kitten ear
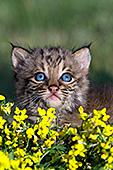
x=83 y=56
x=18 y=56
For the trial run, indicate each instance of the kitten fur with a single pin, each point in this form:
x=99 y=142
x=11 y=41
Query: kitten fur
x=99 y=98
x=53 y=91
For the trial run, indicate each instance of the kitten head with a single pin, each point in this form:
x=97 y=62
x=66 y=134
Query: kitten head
x=51 y=77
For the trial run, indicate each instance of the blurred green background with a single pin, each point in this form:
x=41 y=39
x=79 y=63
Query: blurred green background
x=69 y=23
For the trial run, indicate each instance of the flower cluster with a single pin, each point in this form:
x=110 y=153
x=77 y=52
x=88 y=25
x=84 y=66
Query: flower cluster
x=46 y=146
x=92 y=142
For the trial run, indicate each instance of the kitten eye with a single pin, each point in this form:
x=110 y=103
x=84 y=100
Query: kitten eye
x=40 y=77
x=66 y=77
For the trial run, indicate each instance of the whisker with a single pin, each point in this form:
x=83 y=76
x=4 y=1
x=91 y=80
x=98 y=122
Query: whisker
x=63 y=91
x=33 y=104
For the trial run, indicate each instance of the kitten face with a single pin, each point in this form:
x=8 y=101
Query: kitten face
x=51 y=77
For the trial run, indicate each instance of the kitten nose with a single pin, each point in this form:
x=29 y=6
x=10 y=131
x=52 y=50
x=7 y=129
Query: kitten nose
x=53 y=89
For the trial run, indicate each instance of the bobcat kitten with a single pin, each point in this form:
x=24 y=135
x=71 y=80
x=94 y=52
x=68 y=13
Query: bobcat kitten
x=52 y=77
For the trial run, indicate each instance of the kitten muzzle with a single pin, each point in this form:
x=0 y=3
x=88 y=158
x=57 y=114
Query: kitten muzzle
x=53 y=91
x=54 y=97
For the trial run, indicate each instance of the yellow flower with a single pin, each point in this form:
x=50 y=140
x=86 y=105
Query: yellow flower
x=71 y=152
x=36 y=127
x=51 y=113
x=20 y=115
x=80 y=109
x=34 y=148
x=95 y=112
x=75 y=138
x=30 y=133
x=54 y=134
x=108 y=166
x=8 y=142
x=28 y=161
x=83 y=116
x=80 y=149
x=7 y=130
x=51 y=110
x=15 y=145
x=2 y=121
x=101 y=114
x=73 y=130
x=105 y=145
x=0 y=139
x=2 y=97
x=111 y=150
x=102 y=145
x=17 y=111
x=108 y=130
x=37 y=156
x=15 y=124
x=110 y=159
x=42 y=112
x=23 y=111
x=73 y=164
x=43 y=130
x=19 y=152
x=104 y=155
x=15 y=163
x=4 y=161
x=105 y=118
x=103 y=111
x=48 y=143
x=17 y=118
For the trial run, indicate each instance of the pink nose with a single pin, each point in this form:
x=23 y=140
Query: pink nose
x=53 y=89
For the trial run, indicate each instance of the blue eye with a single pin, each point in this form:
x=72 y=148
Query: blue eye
x=66 y=77
x=40 y=77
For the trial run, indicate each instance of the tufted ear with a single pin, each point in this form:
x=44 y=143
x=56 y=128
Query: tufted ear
x=19 y=55
x=83 y=56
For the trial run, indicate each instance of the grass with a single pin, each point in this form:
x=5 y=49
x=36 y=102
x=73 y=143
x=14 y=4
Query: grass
x=62 y=22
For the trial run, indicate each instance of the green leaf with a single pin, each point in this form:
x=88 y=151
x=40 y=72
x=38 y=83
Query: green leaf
x=11 y=155
x=52 y=151
x=61 y=147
